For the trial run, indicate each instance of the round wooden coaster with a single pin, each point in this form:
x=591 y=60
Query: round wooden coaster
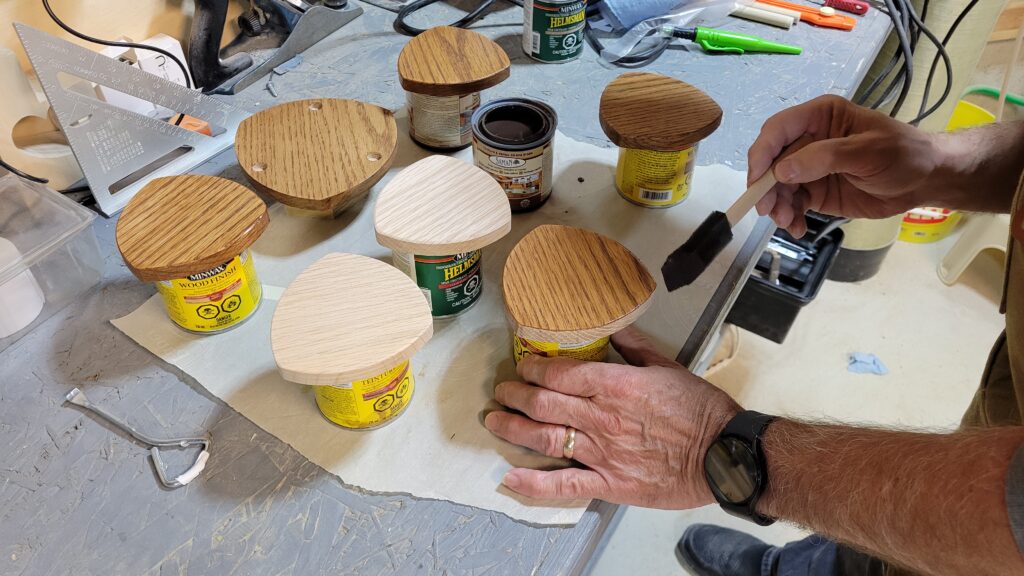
x=321 y=154
x=346 y=318
x=569 y=285
x=647 y=111
x=447 y=61
x=440 y=206
x=182 y=225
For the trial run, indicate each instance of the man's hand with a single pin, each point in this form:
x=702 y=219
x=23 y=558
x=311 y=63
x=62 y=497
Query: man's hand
x=642 y=430
x=862 y=164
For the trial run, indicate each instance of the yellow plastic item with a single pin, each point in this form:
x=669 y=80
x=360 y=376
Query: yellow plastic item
x=966 y=115
x=924 y=225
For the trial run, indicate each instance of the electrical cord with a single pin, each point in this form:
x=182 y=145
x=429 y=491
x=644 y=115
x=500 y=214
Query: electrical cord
x=908 y=54
x=404 y=28
x=24 y=175
x=922 y=113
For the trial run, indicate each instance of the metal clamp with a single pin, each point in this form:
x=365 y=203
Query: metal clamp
x=78 y=398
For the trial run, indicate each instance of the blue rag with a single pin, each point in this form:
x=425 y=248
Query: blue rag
x=861 y=363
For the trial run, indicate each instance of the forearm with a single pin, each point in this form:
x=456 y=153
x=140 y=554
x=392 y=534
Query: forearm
x=977 y=169
x=934 y=502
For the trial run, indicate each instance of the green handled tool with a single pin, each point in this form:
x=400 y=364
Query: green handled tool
x=713 y=40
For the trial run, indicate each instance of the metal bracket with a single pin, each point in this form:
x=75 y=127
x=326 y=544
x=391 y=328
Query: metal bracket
x=119 y=150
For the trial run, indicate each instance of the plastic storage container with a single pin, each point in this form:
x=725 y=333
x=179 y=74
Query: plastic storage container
x=49 y=256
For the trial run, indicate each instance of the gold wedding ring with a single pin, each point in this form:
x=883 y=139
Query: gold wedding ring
x=569 y=446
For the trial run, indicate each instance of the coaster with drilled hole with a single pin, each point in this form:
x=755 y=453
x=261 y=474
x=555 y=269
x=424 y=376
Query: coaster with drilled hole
x=436 y=216
x=320 y=155
x=657 y=122
x=443 y=71
x=191 y=236
x=348 y=326
x=567 y=290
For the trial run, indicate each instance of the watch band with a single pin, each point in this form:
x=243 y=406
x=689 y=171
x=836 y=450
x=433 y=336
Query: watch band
x=749 y=426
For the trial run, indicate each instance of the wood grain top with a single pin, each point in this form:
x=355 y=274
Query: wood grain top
x=569 y=285
x=321 y=154
x=345 y=318
x=441 y=206
x=181 y=225
x=654 y=112
x=447 y=61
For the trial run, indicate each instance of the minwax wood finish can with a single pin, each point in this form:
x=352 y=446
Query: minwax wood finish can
x=191 y=236
x=513 y=141
x=348 y=326
x=451 y=284
x=443 y=71
x=553 y=29
x=593 y=351
x=657 y=122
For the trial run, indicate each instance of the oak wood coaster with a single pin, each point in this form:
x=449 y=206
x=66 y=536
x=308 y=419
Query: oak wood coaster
x=647 y=111
x=321 y=154
x=447 y=61
x=181 y=225
x=569 y=285
x=441 y=206
x=346 y=318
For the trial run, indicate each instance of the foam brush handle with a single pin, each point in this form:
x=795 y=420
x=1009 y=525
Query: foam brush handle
x=762 y=185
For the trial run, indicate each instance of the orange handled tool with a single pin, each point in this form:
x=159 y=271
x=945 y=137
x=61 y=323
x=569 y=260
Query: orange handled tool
x=814 y=15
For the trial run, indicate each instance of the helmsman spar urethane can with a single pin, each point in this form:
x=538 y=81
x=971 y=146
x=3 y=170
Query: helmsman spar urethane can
x=451 y=284
x=553 y=29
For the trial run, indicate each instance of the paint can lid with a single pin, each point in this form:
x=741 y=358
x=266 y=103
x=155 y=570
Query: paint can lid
x=569 y=285
x=647 y=111
x=448 y=61
x=347 y=317
x=181 y=225
x=441 y=206
x=514 y=123
x=321 y=154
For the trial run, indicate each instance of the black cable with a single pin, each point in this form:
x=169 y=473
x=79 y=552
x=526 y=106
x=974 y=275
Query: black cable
x=402 y=28
x=935 y=63
x=24 y=175
x=189 y=81
x=940 y=52
x=908 y=57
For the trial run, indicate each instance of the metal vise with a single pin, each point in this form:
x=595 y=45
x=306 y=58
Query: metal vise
x=290 y=26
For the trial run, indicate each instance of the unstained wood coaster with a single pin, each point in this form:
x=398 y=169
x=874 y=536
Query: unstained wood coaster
x=345 y=318
x=649 y=111
x=447 y=61
x=181 y=225
x=321 y=154
x=441 y=206
x=569 y=285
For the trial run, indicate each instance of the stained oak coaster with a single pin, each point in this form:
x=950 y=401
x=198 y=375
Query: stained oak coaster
x=320 y=155
x=447 y=61
x=572 y=287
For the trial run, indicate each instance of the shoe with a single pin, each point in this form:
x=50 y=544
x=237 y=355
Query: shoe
x=708 y=550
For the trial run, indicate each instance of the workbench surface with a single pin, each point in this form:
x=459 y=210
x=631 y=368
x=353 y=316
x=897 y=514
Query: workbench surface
x=77 y=497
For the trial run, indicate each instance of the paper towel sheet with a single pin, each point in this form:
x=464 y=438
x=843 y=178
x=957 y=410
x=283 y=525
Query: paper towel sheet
x=439 y=448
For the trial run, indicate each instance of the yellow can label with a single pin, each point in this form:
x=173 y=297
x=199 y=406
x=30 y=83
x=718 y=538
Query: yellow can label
x=595 y=351
x=652 y=178
x=214 y=300
x=367 y=403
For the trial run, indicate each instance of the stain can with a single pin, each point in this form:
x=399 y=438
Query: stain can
x=442 y=122
x=595 y=351
x=653 y=178
x=369 y=403
x=513 y=141
x=553 y=29
x=215 y=300
x=451 y=284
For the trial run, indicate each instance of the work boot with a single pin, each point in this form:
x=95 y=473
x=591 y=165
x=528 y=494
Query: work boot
x=708 y=550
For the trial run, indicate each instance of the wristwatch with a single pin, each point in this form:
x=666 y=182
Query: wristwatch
x=735 y=466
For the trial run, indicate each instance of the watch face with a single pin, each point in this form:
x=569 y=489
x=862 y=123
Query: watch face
x=730 y=467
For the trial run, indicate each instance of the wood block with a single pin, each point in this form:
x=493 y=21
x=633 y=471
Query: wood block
x=653 y=112
x=447 y=61
x=345 y=318
x=181 y=225
x=321 y=154
x=570 y=285
x=441 y=206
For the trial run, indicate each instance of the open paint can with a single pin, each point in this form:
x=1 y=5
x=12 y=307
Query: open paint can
x=513 y=141
x=202 y=266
